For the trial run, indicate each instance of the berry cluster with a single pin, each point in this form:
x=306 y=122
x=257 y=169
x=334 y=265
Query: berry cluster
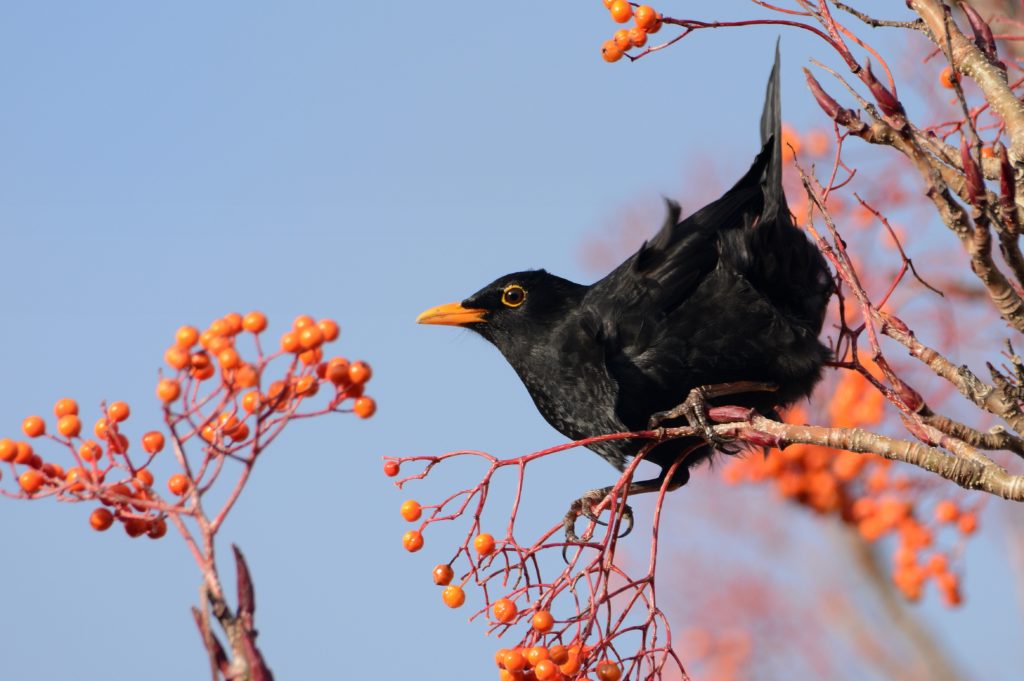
x=233 y=419
x=647 y=22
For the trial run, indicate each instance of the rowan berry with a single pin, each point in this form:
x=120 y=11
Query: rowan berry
x=412 y=541
x=559 y=654
x=610 y=52
x=622 y=39
x=178 y=484
x=443 y=574
x=69 y=425
x=229 y=358
x=251 y=401
x=234 y=322
x=23 y=452
x=364 y=407
x=391 y=468
x=90 y=451
x=144 y=477
x=453 y=596
x=311 y=337
x=621 y=11
x=33 y=426
x=545 y=669
x=177 y=357
x=645 y=16
x=254 y=322
x=505 y=610
x=157 y=528
x=484 y=544
x=309 y=357
x=329 y=329
x=101 y=519
x=186 y=336
x=637 y=37
x=608 y=671
x=543 y=621
x=514 y=660
x=359 y=372
x=153 y=441
x=947 y=78
x=535 y=654
x=8 y=449
x=64 y=407
x=31 y=480
x=968 y=523
x=303 y=321
x=337 y=371
x=946 y=511
x=220 y=327
x=411 y=510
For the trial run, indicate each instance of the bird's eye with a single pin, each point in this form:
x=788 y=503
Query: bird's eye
x=514 y=295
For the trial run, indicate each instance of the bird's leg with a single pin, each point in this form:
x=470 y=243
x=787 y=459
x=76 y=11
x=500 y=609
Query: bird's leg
x=695 y=408
x=584 y=505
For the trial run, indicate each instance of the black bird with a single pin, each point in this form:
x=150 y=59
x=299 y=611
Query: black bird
x=733 y=293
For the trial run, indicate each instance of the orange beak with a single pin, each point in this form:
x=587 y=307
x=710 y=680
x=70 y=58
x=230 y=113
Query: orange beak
x=452 y=314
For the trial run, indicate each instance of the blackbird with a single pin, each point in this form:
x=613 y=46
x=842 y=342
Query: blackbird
x=734 y=293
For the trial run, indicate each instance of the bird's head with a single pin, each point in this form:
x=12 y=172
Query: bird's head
x=512 y=309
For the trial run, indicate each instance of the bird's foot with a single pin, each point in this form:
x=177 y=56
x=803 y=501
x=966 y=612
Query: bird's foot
x=584 y=506
x=695 y=408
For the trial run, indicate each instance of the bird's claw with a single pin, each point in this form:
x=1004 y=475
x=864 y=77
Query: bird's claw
x=695 y=410
x=584 y=506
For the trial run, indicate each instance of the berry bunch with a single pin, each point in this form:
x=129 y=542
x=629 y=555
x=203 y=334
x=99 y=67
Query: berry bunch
x=647 y=23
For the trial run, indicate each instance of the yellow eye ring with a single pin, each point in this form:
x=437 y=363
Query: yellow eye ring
x=514 y=295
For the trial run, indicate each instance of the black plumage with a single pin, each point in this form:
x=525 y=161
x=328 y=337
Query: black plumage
x=733 y=292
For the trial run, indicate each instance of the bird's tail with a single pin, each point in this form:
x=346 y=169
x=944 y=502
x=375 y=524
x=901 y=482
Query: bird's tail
x=771 y=132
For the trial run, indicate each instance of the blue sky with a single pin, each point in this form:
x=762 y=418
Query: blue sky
x=167 y=164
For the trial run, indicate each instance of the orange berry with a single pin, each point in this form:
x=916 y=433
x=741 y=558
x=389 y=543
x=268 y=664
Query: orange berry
x=559 y=654
x=33 y=426
x=135 y=527
x=186 y=336
x=177 y=357
x=937 y=563
x=220 y=327
x=311 y=337
x=947 y=78
x=337 y=371
x=144 y=477
x=8 y=449
x=543 y=621
x=359 y=372
x=153 y=441
x=306 y=386
x=65 y=407
x=443 y=575
x=329 y=329
x=987 y=152
x=74 y=478
x=118 y=411
x=545 y=670
x=208 y=433
x=69 y=425
x=246 y=376
x=251 y=401
x=391 y=468
x=168 y=390
x=118 y=444
x=23 y=452
x=35 y=461
x=303 y=321
x=90 y=451
x=968 y=523
x=637 y=37
x=506 y=675
x=608 y=671
x=234 y=322
x=610 y=52
x=622 y=40
x=278 y=394
x=607 y=3
x=31 y=480
x=254 y=322
x=412 y=541
x=946 y=511
x=101 y=519
x=178 y=484
x=205 y=338
x=239 y=433
x=202 y=367
x=290 y=341
x=453 y=596
x=310 y=357
x=411 y=510
x=572 y=665
x=504 y=610
x=513 y=661
x=655 y=27
x=645 y=16
x=621 y=11
x=219 y=344
x=228 y=358
x=484 y=544
x=536 y=654
x=52 y=470
x=364 y=407
x=157 y=528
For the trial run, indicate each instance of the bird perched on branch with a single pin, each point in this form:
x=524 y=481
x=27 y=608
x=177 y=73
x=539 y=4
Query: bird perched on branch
x=733 y=294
